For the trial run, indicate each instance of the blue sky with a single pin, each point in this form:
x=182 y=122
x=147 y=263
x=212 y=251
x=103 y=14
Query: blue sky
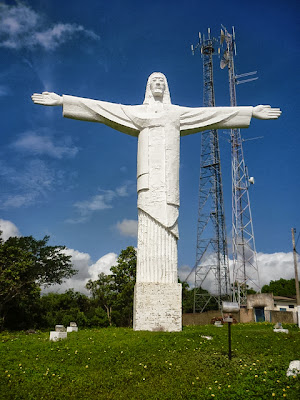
x=76 y=181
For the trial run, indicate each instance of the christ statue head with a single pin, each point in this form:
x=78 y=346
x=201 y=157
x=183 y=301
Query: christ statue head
x=157 y=89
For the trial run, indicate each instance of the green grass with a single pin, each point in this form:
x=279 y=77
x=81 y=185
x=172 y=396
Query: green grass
x=117 y=363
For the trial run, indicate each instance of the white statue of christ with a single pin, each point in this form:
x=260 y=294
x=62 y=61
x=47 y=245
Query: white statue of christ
x=158 y=125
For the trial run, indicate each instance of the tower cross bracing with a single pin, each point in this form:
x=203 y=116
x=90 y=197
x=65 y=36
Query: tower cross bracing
x=211 y=267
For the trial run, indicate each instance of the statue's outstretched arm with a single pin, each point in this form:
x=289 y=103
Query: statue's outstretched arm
x=266 y=112
x=47 y=99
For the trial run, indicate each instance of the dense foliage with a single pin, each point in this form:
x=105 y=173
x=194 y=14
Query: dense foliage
x=118 y=363
x=114 y=292
x=281 y=287
x=25 y=265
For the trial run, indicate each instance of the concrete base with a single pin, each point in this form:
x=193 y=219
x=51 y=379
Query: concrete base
x=281 y=330
x=54 y=335
x=72 y=329
x=157 y=307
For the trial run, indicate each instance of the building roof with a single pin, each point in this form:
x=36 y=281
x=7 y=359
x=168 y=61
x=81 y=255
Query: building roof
x=286 y=299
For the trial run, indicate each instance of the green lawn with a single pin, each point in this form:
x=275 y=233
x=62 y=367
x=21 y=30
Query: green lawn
x=117 y=363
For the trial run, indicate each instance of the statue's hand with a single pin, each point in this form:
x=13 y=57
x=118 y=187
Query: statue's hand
x=47 y=99
x=266 y=112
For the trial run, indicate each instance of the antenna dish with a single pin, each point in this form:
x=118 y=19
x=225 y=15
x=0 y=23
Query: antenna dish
x=251 y=180
x=222 y=37
x=224 y=60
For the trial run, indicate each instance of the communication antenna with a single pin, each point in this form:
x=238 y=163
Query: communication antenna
x=211 y=268
x=245 y=268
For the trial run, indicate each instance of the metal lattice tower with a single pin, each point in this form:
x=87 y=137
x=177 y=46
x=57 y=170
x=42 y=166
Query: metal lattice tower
x=245 y=269
x=211 y=268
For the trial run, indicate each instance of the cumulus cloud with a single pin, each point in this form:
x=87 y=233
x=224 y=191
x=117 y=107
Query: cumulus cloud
x=8 y=229
x=86 y=271
x=186 y=274
x=102 y=265
x=128 y=227
x=270 y=267
x=275 y=266
x=38 y=144
x=22 y=27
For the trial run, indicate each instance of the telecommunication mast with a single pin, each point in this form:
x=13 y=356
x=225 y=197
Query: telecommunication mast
x=245 y=269
x=211 y=267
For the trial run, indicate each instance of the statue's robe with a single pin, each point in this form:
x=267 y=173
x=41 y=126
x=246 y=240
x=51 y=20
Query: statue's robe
x=158 y=133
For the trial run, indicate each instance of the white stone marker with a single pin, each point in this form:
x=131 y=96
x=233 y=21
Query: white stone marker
x=294 y=368
x=59 y=333
x=73 y=327
x=218 y=324
x=280 y=330
x=207 y=337
x=158 y=125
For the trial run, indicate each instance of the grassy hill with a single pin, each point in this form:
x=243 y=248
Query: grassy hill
x=117 y=363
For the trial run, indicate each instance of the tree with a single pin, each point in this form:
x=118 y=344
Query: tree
x=25 y=265
x=187 y=298
x=236 y=286
x=103 y=293
x=281 y=287
x=114 y=292
x=62 y=308
x=124 y=277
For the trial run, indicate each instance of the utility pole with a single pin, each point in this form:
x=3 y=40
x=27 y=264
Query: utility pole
x=296 y=267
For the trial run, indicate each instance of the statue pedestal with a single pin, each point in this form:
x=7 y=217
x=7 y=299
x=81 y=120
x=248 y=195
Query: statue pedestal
x=157 y=307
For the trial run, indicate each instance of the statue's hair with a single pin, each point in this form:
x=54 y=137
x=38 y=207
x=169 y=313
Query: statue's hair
x=149 y=96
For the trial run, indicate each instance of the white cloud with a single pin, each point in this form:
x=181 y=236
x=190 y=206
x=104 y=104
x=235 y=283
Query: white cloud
x=128 y=227
x=8 y=229
x=275 y=266
x=96 y=203
x=185 y=274
x=102 y=201
x=102 y=265
x=22 y=27
x=86 y=271
x=29 y=184
x=32 y=142
x=270 y=266
x=122 y=191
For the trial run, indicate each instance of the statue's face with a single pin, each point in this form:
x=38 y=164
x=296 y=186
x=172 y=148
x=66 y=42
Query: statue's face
x=157 y=86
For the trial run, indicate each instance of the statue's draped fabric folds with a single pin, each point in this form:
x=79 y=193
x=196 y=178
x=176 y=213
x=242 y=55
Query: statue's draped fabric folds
x=158 y=125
